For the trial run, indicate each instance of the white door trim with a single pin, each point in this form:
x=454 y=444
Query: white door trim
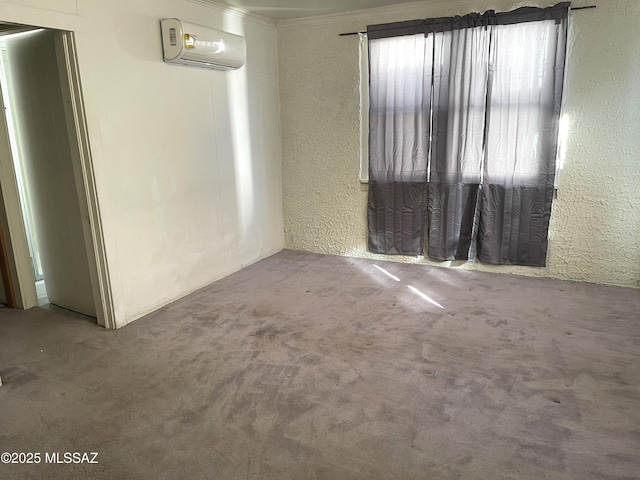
x=85 y=178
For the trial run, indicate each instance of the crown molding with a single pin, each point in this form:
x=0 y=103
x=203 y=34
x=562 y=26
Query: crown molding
x=238 y=12
x=409 y=8
x=368 y=12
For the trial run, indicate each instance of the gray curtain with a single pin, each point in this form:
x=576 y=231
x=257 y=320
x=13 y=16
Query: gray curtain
x=399 y=105
x=523 y=114
x=495 y=83
x=459 y=80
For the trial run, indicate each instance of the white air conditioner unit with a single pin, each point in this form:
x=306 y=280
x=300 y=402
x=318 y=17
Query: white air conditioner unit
x=198 y=46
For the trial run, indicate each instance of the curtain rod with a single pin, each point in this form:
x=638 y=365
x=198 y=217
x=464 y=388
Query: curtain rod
x=574 y=9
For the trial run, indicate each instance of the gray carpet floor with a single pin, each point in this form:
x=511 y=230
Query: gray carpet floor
x=306 y=366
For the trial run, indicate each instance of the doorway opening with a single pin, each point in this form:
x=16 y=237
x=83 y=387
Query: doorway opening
x=11 y=33
x=49 y=214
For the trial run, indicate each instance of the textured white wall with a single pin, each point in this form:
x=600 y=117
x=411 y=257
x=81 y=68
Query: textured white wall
x=595 y=225
x=187 y=160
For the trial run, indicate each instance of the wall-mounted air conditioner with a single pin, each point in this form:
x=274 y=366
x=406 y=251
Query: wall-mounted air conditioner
x=198 y=46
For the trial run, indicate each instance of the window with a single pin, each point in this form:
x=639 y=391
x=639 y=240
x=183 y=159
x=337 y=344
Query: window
x=463 y=134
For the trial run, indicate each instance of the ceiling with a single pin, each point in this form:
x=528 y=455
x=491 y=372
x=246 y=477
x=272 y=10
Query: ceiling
x=285 y=9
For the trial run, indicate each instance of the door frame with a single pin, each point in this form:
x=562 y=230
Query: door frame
x=85 y=177
x=19 y=257
x=5 y=271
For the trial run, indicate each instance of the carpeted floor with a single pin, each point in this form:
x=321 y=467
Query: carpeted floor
x=317 y=367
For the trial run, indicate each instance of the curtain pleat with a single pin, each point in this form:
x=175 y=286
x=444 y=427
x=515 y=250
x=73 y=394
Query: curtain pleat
x=452 y=209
